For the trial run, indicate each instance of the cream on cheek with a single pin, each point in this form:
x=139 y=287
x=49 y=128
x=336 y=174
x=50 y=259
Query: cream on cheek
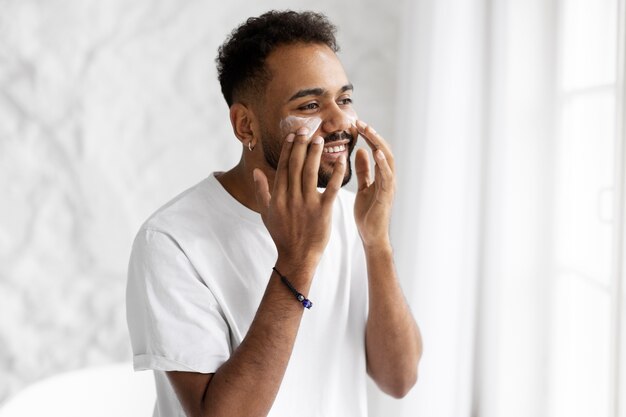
x=292 y=123
x=353 y=118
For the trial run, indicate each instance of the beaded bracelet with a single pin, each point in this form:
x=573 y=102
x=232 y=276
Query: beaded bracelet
x=301 y=298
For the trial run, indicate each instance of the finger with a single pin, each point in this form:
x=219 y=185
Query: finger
x=362 y=167
x=336 y=179
x=375 y=141
x=262 y=190
x=312 y=165
x=384 y=174
x=281 y=182
x=296 y=161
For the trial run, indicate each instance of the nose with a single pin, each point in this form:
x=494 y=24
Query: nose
x=338 y=119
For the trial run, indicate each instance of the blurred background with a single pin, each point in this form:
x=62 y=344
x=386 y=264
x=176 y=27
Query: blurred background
x=507 y=121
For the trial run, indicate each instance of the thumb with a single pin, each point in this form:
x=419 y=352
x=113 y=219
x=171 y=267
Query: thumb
x=262 y=189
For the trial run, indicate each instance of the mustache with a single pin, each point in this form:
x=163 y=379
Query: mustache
x=335 y=136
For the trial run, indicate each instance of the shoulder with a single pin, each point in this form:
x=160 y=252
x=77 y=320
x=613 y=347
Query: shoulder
x=168 y=232
x=194 y=223
x=189 y=211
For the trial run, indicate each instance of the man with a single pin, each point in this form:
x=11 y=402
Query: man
x=220 y=277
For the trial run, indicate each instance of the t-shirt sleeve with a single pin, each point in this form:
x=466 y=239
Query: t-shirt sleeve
x=175 y=322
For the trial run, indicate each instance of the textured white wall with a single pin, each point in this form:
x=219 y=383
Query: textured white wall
x=107 y=110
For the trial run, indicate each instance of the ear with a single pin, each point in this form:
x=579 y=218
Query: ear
x=243 y=120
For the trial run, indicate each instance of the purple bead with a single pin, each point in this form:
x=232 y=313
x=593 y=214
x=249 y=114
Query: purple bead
x=307 y=303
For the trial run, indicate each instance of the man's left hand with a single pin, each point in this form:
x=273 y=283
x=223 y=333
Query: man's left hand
x=372 y=208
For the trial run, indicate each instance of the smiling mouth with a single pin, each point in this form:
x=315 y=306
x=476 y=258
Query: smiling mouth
x=335 y=149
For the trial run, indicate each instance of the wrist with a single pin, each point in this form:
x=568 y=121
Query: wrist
x=300 y=270
x=378 y=247
x=301 y=298
x=298 y=260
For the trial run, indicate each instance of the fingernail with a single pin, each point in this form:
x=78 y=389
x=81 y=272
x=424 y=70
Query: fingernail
x=342 y=159
x=361 y=125
x=290 y=137
x=302 y=131
x=380 y=154
x=318 y=140
x=255 y=175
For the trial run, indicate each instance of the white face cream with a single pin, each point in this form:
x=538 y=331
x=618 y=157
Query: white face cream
x=352 y=118
x=292 y=123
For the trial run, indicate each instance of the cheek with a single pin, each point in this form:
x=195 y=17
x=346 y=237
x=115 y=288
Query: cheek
x=352 y=116
x=292 y=123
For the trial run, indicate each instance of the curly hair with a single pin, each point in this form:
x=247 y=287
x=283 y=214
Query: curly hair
x=241 y=58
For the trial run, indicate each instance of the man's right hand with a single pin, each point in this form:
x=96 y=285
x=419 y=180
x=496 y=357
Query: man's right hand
x=298 y=218
x=296 y=214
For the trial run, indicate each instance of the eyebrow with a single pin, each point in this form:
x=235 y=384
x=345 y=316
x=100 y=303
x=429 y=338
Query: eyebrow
x=318 y=92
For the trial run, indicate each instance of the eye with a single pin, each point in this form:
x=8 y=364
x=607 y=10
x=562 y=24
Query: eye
x=345 y=101
x=309 y=106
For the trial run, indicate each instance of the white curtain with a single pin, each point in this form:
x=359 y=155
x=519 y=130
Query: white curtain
x=438 y=145
x=515 y=278
x=475 y=118
x=508 y=225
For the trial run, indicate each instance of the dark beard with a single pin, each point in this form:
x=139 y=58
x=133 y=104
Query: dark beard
x=272 y=149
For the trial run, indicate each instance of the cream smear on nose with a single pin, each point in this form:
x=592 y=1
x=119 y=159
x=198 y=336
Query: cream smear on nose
x=292 y=123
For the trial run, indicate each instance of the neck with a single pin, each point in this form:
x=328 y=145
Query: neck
x=239 y=182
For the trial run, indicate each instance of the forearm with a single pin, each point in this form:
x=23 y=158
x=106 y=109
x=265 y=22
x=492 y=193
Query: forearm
x=247 y=383
x=393 y=340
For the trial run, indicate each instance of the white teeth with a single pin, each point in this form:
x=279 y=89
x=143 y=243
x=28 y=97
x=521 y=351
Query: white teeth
x=333 y=149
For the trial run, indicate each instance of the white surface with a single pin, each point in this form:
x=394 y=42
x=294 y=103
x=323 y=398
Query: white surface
x=107 y=391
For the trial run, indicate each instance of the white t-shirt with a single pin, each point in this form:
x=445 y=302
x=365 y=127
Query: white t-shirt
x=198 y=269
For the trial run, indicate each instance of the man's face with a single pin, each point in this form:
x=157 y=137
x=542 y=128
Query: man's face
x=308 y=87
